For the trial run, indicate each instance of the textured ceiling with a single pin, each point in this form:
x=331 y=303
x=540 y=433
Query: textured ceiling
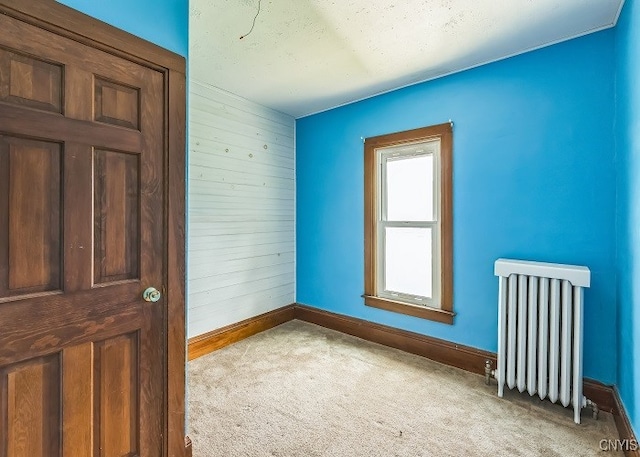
x=305 y=56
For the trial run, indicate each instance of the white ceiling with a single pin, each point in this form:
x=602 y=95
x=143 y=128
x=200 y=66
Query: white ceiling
x=305 y=56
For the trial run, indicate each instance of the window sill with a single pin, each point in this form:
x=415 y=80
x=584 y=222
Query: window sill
x=433 y=314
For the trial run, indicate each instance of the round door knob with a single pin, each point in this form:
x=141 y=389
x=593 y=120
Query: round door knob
x=151 y=294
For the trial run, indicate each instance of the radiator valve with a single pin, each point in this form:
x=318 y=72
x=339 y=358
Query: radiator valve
x=595 y=411
x=488 y=372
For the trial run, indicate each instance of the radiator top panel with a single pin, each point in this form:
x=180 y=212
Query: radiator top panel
x=578 y=276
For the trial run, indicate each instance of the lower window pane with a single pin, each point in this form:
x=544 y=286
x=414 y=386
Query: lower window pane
x=408 y=261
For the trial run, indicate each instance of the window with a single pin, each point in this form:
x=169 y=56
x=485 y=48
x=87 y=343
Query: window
x=408 y=223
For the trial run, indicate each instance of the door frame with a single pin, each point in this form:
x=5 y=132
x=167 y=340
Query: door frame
x=64 y=21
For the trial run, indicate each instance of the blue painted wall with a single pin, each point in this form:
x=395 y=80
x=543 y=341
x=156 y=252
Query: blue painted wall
x=534 y=178
x=163 y=22
x=628 y=156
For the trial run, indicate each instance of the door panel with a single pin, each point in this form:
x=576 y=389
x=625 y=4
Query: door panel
x=30 y=82
x=82 y=189
x=117 y=397
x=117 y=104
x=30 y=238
x=116 y=210
x=30 y=398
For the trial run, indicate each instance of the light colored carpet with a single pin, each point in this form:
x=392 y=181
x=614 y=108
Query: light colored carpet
x=302 y=390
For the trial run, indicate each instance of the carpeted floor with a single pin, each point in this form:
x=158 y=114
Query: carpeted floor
x=302 y=390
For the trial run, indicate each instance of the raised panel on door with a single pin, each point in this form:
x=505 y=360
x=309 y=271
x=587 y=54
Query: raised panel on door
x=117 y=216
x=28 y=81
x=116 y=396
x=117 y=104
x=30 y=408
x=30 y=190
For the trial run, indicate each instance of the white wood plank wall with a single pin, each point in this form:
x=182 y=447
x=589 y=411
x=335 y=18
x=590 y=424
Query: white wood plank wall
x=241 y=209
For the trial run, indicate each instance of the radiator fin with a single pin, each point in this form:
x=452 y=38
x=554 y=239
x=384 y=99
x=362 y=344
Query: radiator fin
x=543 y=340
x=532 y=336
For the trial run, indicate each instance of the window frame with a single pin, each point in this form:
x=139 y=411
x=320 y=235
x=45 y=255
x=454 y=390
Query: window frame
x=373 y=208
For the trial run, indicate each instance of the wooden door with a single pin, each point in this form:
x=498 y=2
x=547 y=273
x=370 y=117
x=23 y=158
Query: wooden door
x=82 y=189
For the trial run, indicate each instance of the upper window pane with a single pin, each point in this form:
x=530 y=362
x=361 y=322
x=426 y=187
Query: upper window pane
x=409 y=188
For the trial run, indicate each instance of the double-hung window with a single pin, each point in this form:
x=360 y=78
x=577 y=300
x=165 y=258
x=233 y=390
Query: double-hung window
x=408 y=223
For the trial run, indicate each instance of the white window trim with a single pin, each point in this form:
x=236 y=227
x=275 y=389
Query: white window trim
x=431 y=146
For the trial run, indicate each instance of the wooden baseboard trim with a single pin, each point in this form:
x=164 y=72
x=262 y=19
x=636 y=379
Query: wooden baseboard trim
x=217 y=339
x=188 y=450
x=457 y=355
x=623 y=424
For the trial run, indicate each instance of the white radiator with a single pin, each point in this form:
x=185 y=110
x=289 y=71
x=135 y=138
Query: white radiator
x=540 y=323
